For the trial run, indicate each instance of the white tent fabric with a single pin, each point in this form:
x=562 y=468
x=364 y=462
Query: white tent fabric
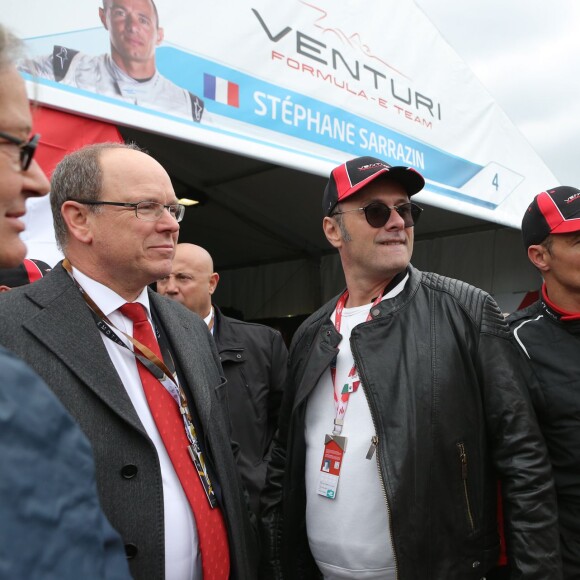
x=290 y=90
x=304 y=86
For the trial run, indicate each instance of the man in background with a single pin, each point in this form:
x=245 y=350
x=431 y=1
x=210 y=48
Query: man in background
x=548 y=334
x=51 y=523
x=253 y=357
x=129 y=72
x=405 y=401
x=139 y=372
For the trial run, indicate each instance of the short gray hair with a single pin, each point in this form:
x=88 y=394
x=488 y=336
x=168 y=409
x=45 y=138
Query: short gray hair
x=11 y=48
x=342 y=226
x=79 y=175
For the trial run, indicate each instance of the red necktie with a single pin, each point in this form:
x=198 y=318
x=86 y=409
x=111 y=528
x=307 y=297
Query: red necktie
x=211 y=530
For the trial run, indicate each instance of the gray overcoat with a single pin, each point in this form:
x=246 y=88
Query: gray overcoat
x=49 y=325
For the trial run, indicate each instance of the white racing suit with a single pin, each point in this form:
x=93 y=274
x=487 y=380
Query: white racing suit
x=99 y=74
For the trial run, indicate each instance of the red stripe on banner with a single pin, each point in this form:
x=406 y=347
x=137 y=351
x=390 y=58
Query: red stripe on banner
x=32 y=270
x=233 y=94
x=62 y=133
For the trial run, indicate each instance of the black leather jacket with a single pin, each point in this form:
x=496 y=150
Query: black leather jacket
x=445 y=386
x=551 y=346
x=254 y=360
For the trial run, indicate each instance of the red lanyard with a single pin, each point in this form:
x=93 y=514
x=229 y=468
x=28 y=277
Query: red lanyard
x=342 y=392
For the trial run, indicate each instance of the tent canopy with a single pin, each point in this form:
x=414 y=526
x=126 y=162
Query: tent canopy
x=253 y=212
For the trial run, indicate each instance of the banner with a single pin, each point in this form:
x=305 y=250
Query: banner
x=302 y=84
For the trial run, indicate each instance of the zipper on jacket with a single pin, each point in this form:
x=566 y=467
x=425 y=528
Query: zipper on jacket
x=463 y=460
x=370 y=452
x=373 y=447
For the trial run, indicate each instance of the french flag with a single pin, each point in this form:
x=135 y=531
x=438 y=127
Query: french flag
x=221 y=90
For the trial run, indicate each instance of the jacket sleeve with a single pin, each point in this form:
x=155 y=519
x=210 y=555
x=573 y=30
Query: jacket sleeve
x=271 y=516
x=279 y=365
x=48 y=493
x=533 y=384
x=519 y=454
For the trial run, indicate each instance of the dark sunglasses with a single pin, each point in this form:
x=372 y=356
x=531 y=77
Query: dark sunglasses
x=377 y=214
x=27 y=148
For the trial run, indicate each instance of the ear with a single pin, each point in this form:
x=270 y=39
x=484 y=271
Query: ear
x=213 y=282
x=539 y=257
x=4 y=288
x=77 y=220
x=103 y=17
x=160 y=35
x=332 y=231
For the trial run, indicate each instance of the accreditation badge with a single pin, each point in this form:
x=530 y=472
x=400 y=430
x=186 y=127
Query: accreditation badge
x=334 y=448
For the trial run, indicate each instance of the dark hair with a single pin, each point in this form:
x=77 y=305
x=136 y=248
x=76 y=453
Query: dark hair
x=152 y=4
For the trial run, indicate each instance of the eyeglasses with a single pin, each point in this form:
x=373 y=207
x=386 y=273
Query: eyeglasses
x=27 y=148
x=377 y=214
x=149 y=211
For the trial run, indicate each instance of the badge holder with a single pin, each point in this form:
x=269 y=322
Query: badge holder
x=334 y=449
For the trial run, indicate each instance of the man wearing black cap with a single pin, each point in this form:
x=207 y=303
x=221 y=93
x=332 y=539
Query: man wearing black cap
x=405 y=401
x=548 y=333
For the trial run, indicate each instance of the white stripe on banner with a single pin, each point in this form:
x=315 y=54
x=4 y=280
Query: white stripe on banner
x=221 y=90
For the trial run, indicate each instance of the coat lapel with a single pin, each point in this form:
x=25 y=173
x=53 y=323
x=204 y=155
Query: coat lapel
x=64 y=324
x=190 y=350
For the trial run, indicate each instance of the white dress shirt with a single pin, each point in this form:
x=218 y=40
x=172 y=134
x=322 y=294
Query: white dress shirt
x=182 y=556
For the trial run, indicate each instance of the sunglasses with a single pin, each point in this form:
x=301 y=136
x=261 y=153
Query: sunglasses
x=377 y=214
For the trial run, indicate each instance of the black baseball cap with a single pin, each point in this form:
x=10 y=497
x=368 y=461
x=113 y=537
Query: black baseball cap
x=555 y=211
x=352 y=176
x=27 y=272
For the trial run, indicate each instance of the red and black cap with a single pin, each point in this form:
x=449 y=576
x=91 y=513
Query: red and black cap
x=26 y=273
x=352 y=176
x=555 y=211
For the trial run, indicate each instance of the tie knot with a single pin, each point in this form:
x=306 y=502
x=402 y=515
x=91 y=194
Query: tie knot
x=134 y=311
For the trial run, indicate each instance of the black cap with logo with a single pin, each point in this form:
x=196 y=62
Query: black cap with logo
x=555 y=211
x=350 y=177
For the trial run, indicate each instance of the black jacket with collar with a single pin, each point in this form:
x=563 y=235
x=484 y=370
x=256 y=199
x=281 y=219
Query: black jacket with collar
x=440 y=372
x=551 y=346
x=254 y=360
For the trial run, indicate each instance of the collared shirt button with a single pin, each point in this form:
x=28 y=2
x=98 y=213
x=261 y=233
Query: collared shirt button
x=129 y=471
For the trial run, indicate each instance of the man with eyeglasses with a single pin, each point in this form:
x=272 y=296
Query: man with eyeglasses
x=51 y=523
x=129 y=72
x=139 y=372
x=404 y=404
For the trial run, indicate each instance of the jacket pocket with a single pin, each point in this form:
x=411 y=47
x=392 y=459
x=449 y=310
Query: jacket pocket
x=463 y=461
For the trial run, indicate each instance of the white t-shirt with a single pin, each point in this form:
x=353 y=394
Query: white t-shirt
x=349 y=536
